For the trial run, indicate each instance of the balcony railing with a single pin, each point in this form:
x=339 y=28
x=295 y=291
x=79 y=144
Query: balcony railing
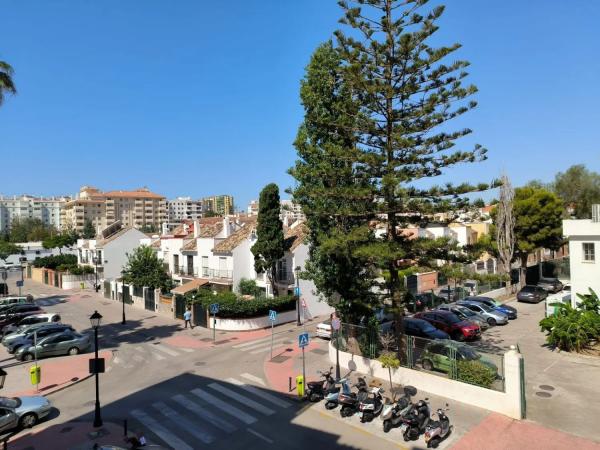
x=286 y=277
x=186 y=271
x=216 y=274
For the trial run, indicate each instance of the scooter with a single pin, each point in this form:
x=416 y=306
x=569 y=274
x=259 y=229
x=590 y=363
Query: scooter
x=438 y=430
x=371 y=406
x=316 y=390
x=349 y=402
x=394 y=414
x=332 y=398
x=416 y=421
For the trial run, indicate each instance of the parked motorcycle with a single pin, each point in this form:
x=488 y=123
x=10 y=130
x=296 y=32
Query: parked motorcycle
x=416 y=421
x=394 y=414
x=349 y=402
x=317 y=390
x=371 y=405
x=332 y=398
x=438 y=430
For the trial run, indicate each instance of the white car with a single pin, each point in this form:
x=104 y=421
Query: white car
x=324 y=329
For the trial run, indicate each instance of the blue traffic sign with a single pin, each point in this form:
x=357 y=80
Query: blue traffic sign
x=214 y=308
x=272 y=315
x=297 y=291
x=303 y=340
x=19 y=283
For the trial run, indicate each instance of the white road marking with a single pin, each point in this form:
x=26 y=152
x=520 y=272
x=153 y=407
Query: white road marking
x=204 y=413
x=258 y=435
x=166 y=350
x=223 y=406
x=159 y=430
x=158 y=356
x=242 y=399
x=265 y=395
x=185 y=349
x=266 y=345
x=138 y=358
x=251 y=377
x=256 y=341
x=182 y=422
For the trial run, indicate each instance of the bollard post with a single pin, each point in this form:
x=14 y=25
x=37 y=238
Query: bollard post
x=125 y=427
x=290 y=389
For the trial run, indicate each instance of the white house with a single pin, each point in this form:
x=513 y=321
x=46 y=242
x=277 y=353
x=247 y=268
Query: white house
x=584 y=245
x=108 y=252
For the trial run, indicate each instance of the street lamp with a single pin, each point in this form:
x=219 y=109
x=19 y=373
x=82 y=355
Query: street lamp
x=95 y=321
x=297 y=273
x=123 y=322
x=2 y=377
x=95 y=260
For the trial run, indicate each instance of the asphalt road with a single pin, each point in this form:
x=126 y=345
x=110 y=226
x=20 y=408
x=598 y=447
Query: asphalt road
x=188 y=398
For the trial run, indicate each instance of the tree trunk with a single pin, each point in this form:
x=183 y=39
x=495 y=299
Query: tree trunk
x=523 y=271
x=391 y=385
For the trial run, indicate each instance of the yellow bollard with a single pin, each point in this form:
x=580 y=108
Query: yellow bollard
x=35 y=374
x=300 y=385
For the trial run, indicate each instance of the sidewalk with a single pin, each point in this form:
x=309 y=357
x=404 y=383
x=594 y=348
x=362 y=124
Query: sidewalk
x=56 y=374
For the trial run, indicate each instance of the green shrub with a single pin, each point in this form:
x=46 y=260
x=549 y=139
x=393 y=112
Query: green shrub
x=249 y=287
x=230 y=306
x=52 y=262
x=475 y=372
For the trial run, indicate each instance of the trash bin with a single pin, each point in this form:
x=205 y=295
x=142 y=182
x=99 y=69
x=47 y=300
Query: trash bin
x=35 y=373
x=300 y=385
x=82 y=284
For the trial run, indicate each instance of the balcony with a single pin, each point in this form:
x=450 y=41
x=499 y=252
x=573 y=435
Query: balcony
x=217 y=274
x=285 y=277
x=187 y=271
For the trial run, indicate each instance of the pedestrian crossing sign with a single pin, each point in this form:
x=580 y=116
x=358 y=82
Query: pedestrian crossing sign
x=302 y=340
x=214 y=308
x=272 y=315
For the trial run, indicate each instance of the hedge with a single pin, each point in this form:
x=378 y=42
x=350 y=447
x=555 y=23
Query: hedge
x=230 y=306
x=52 y=262
x=475 y=372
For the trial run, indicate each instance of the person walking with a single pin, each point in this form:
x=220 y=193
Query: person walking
x=187 y=316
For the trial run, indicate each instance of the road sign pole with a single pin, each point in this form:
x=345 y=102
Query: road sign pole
x=337 y=355
x=214 y=327
x=37 y=384
x=303 y=368
x=272 y=339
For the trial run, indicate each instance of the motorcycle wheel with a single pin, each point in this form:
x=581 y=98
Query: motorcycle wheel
x=314 y=397
x=344 y=412
x=387 y=426
x=330 y=405
x=405 y=436
x=434 y=442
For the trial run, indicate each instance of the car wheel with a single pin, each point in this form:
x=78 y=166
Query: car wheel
x=330 y=405
x=491 y=321
x=427 y=364
x=27 y=357
x=28 y=420
x=458 y=336
x=73 y=351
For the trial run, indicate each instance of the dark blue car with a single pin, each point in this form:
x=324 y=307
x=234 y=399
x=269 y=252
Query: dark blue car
x=422 y=328
x=508 y=310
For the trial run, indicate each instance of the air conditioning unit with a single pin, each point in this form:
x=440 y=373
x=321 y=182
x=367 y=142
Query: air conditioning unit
x=596 y=213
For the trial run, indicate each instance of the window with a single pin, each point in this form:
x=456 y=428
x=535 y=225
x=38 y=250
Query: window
x=589 y=253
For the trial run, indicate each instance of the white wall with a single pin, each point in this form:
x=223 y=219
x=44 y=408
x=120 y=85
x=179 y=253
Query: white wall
x=584 y=274
x=243 y=263
x=308 y=291
x=507 y=403
x=253 y=323
x=114 y=253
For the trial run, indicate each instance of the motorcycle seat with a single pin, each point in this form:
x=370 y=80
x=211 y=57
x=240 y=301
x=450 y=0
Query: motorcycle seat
x=434 y=424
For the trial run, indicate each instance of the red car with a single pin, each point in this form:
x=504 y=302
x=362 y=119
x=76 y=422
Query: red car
x=446 y=321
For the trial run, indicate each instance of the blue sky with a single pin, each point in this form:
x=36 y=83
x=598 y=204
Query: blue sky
x=200 y=98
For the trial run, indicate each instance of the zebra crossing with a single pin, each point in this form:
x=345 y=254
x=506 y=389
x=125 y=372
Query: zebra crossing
x=264 y=345
x=210 y=412
x=141 y=353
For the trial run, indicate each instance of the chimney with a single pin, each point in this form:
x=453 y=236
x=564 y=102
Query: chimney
x=286 y=221
x=226 y=228
x=596 y=213
x=165 y=228
x=196 y=228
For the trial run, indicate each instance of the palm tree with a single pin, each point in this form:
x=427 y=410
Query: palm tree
x=6 y=82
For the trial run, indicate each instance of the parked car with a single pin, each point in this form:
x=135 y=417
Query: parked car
x=439 y=355
x=532 y=294
x=449 y=323
x=423 y=301
x=324 y=329
x=13 y=299
x=17 y=312
x=66 y=343
x=32 y=320
x=23 y=412
x=453 y=294
x=23 y=330
x=3 y=289
x=510 y=311
x=464 y=313
x=423 y=329
x=492 y=316
x=550 y=284
x=27 y=338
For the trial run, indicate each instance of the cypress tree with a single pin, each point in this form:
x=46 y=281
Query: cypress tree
x=269 y=246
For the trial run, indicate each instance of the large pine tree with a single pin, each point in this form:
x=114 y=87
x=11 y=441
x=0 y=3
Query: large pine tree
x=397 y=134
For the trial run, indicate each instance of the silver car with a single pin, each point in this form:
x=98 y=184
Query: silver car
x=66 y=343
x=22 y=412
x=492 y=317
x=31 y=320
x=466 y=314
x=16 y=340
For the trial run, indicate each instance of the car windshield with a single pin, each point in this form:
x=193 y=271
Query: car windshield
x=528 y=289
x=451 y=318
x=469 y=353
x=10 y=402
x=427 y=327
x=466 y=312
x=485 y=307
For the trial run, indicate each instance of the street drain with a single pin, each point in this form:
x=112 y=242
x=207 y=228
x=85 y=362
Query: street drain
x=546 y=387
x=280 y=358
x=200 y=363
x=543 y=394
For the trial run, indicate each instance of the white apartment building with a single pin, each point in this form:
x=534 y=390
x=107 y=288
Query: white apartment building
x=184 y=208
x=46 y=209
x=584 y=251
x=290 y=212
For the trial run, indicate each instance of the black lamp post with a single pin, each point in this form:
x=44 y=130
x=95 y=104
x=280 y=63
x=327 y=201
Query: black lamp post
x=95 y=258
x=95 y=321
x=123 y=322
x=297 y=273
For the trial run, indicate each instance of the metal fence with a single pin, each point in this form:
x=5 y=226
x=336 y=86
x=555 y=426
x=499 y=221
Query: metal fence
x=446 y=358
